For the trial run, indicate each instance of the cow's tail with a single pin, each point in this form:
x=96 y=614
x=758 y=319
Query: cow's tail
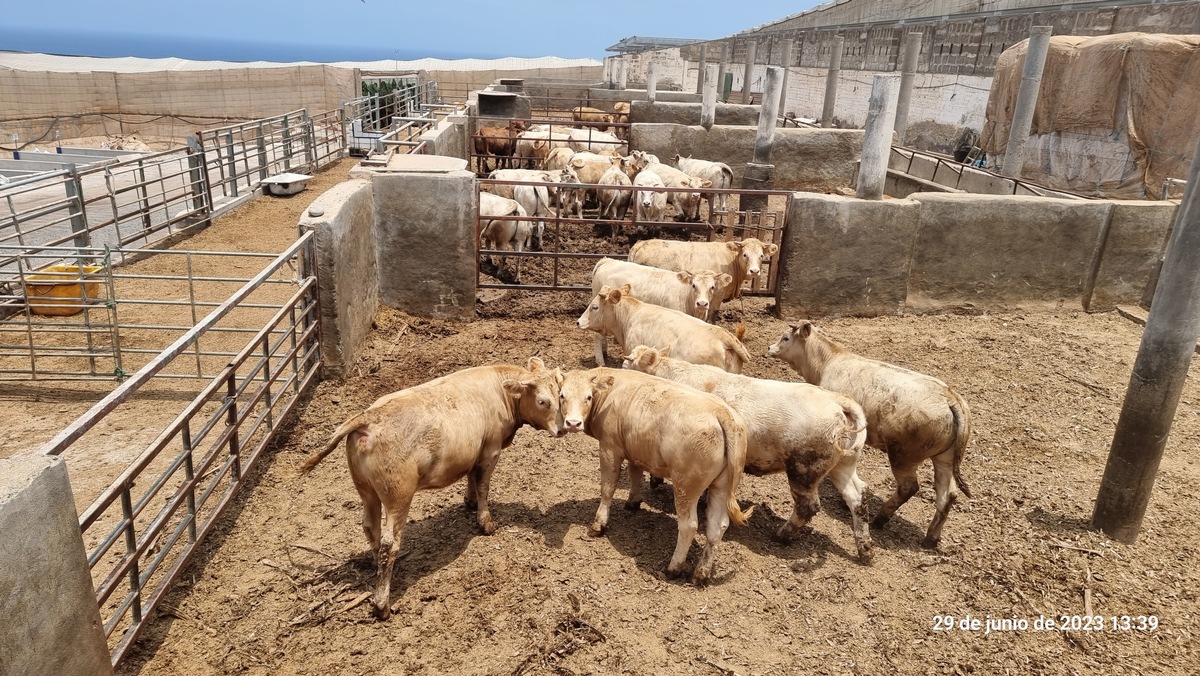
x=735 y=462
x=962 y=435
x=346 y=429
x=736 y=348
x=854 y=431
x=728 y=173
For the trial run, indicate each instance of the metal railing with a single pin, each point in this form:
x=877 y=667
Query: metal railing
x=142 y=531
x=956 y=169
x=571 y=246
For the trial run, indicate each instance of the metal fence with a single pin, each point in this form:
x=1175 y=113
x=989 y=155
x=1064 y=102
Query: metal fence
x=570 y=246
x=142 y=531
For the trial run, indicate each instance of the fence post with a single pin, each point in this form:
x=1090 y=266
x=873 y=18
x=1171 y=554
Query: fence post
x=701 y=69
x=651 y=82
x=309 y=141
x=912 y=51
x=233 y=182
x=747 y=77
x=74 y=189
x=287 y=145
x=877 y=137
x=831 y=81
x=147 y=222
x=1031 y=83
x=262 y=153
x=708 y=101
x=201 y=186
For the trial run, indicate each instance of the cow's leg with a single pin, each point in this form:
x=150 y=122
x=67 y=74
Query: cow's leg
x=600 y=342
x=635 y=489
x=845 y=477
x=685 y=511
x=372 y=510
x=906 y=487
x=610 y=472
x=482 y=473
x=520 y=246
x=469 y=498
x=397 y=498
x=716 y=516
x=947 y=493
x=803 y=479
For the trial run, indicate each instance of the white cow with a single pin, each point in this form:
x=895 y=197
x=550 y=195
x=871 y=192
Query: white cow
x=614 y=202
x=687 y=204
x=698 y=293
x=717 y=173
x=651 y=205
x=742 y=259
x=503 y=234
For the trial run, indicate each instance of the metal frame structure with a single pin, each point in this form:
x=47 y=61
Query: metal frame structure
x=143 y=530
x=727 y=225
x=957 y=168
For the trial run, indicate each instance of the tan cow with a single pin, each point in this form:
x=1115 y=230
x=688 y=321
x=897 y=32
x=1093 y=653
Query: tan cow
x=596 y=141
x=687 y=204
x=804 y=430
x=432 y=435
x=718 y=174
x=910 y=416
x=692 y=438
x=534 y=146
x=698 y=293
x=614 y=202
x=742 y=259
x=558 y=159
x=590 y=167
x=499 y=231
x=586 y=114
x=650 y=205
x=617 y=313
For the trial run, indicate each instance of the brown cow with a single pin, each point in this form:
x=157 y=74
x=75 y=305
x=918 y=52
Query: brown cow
x=675 y=432
x=497 y=144
x=910 y=416
x=432 y=435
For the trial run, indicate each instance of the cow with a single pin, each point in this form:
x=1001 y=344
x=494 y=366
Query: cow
x=687 y=204
x=614 y=202
x=502 y=233
x=596 y=141
x=651 y=205
x=803 y=430
x=570 y=199
x=621 y=112
x=617 y=313
x=586 y=114
x=690 y=437
x=636 y=161
x=698 y=294
x=558 y=159
x=911 y=417
x=430 y=436
x=496 y=143
x=742 y=259
x=534 y=146
x=718 y=174
x=591 y=166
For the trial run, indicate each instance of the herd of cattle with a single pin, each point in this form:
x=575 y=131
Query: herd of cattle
x=679 y=409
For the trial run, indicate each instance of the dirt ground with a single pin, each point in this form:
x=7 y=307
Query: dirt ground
x=281 y=589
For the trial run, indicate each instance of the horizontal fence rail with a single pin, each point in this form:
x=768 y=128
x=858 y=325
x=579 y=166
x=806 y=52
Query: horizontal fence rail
x=142 y=531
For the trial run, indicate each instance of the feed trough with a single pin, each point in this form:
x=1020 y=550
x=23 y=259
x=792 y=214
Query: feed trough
x=286 y=184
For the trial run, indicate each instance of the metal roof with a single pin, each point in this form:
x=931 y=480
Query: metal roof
x=639 y=43
x=132 y=64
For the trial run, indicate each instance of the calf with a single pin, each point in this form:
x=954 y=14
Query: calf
x=718 y=174
x=432 y=435
x=496 y=232
x=741 y=259
x=910 y=416
x=650 y=205
x=614 y=202
x=687 y=204
x=806 y=431
x=692 y=438
x=586 y=114
x=596 y=141
x=699 y=294
x=617 y=313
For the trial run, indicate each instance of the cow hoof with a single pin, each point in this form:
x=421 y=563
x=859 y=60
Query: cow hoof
x=487 y=526
x=785 y=534
x=701 y=578
x=381 y=614
x=596 y=530
x=674 y=573
x=879 y=522
x=930 y=543
x=633 y=505
x=656 y=481
x=865 y=554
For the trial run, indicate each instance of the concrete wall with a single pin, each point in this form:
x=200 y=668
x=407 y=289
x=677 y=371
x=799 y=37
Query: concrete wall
x=968 y=253
x=343 y=219
x=448 y=139
x=805 y=159
x=734 y=114
x=425 y=208
x=51 y=624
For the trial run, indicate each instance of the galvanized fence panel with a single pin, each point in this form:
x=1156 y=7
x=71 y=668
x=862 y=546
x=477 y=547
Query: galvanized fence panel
x=239 y=157
x=142 y=531
x=572 y=243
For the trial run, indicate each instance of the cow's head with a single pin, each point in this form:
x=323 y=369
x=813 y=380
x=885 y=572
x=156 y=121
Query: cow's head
x=536 y=396
x=577 y=396
x=751 y=252
x=599 y=312
x=790 y=346
x=645 y=359
x=706 y=285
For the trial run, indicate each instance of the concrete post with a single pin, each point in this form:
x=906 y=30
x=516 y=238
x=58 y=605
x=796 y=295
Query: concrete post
x=651 y=82
x=708 y=103
x=1159 y=372
x=723 y=67
x=786 y=62
x=831 y=81
x=701 y=70
x=759 y=173
x=51 y=622
x=751 y=48
x=623 y=78
x=912 y=50
x=877 y=138
x=1031 y=81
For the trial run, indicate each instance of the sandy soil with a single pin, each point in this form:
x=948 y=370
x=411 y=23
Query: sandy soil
x=280 y=589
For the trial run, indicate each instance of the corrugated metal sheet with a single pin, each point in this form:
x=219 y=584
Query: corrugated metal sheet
x=130 y=64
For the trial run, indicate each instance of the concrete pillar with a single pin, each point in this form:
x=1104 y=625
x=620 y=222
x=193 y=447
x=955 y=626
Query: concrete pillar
x=1159 y=373
x=751 y=48
x=651 y=82
x=723 y=67
x=623 y=77
x=786 y=62
x=831 y=81
x=51 y=622
x=702 y=69
x=912 y=50
x=877 y=137
x=708 y=103
x=1031 y=81
x=759 y=173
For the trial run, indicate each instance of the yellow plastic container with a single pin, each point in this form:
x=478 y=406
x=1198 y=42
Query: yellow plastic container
x=62 y=294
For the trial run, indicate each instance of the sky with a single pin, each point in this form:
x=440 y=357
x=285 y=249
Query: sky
x=333 y=30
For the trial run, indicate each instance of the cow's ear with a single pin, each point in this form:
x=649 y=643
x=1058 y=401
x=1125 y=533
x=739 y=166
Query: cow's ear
x=706 y=184
x=734 y=246
x=558 y=376
x=664 y=351
x=513 y=388
x=576 y=162
x=770 y=249
x=684 y=276
x=676 y=160
x=535 y=364
x=804 y=329
x=602 y=383
x=613 y=296
x=724 y=279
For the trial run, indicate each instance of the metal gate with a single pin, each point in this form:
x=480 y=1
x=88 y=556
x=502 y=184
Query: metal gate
x=570 y=244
